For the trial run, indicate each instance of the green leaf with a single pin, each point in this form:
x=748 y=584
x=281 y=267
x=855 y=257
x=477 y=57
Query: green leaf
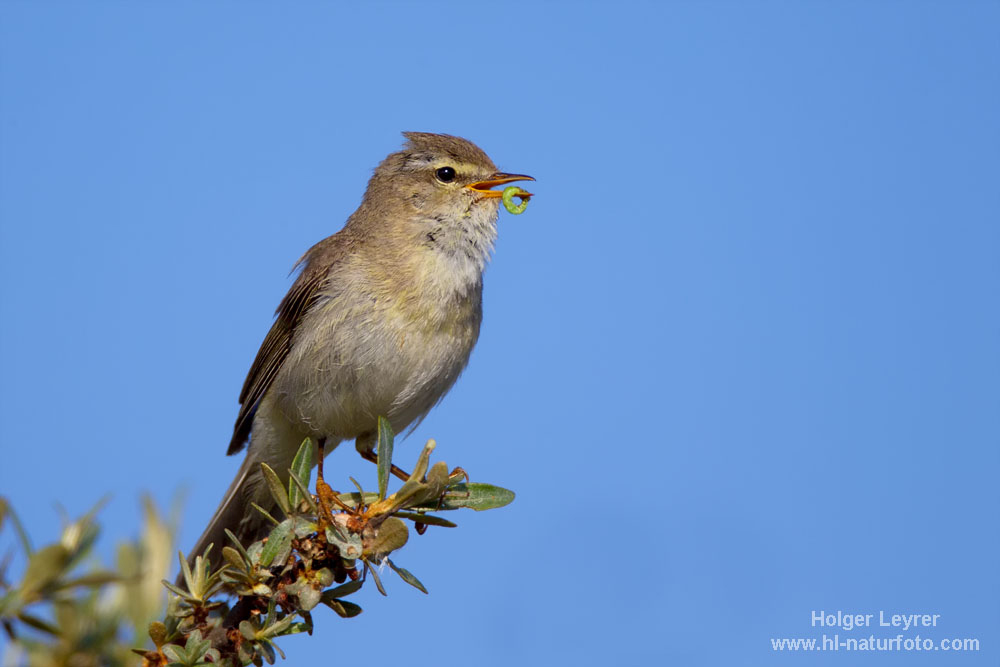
x=158 y=633
x=278 y=627
x=353 y=499
x=278 y=544
x=323 y=577
x=301 y=493
x=176 y=590
x=384 y=451
x=277 y=488
x=474 y=496
x=297 y=628
x=253 y=553
x=407 y=576
x=343 y=608
x=302 y=469
x=308 y=598
x=267 y=652
x=44 y=566
x=196 y=646
x=246 y=653
x=357 y=485
x=239 y=547
x=389 y=536
x=265 y=513
x=38 y=623
x=248 y=631
x=186 y=571
x=428 y=519
x=6 y=510
x=343 y=589
x=93 y=579
x=372 y=570
x=411 y=492
x=423 y=460
x=234 y=559
x=10 y=602
x=438 y=475
x=175 y=653
x=349 y=544
x=272 y=612
x=303 y=526
x=80 y=535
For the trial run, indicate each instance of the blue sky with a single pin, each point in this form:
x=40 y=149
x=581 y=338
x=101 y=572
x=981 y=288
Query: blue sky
x=739 y=359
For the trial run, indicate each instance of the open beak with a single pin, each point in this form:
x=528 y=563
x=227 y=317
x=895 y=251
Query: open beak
x=483 y=187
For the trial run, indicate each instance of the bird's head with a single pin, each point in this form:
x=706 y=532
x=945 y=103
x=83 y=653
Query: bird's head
x=441 y=176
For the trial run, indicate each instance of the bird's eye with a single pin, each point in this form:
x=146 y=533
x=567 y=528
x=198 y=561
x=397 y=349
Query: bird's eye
x=445 y=174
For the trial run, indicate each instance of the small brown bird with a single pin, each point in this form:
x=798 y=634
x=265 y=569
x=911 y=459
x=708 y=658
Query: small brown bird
x=381 y=320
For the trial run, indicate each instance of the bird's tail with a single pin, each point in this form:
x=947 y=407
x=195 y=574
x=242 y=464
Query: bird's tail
x=236 y=513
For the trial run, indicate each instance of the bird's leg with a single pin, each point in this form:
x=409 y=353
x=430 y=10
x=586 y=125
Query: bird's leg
x=326 y=495
x=365 y=445
x=320 y=445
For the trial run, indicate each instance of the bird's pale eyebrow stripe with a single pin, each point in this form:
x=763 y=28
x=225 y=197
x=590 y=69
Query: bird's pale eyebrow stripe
x=423 y=161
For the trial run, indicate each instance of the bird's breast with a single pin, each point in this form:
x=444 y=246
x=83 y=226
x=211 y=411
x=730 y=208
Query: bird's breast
x=362 y=353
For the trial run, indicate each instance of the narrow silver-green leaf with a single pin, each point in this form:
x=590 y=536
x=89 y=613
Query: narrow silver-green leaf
x=176 y=590
x=93 y=579
x=474 y=496
x=278 y=543
x=384 y=451
x=427 y=519
x=423 y=460
x=276 y=628
x=266 y=514
x=186 y=571
x=272 y=612
x=372 y=570
x=276 y=488
x=407 y=576
x=267 y=652
x=38 y=623
x=353 y=499
x=297 y=628
x=301 y=493
x=304 y=526
x=343 y=607
x=248 y=631
x=239 y=546
x=343 y=589
x=234 y=559
x=22 y=534
x=246 y=653
x=196 y=646
x=175 y=653
x=44 y=566
x=348 y=543
x=302 y=469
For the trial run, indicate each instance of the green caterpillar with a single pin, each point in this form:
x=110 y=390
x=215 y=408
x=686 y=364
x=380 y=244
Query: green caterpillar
x=508 y=199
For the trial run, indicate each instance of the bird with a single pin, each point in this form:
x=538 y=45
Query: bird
x=380 y=321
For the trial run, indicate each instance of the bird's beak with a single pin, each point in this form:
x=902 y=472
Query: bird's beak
x=483 y=187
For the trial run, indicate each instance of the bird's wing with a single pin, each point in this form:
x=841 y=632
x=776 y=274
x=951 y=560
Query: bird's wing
x=274 y=350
